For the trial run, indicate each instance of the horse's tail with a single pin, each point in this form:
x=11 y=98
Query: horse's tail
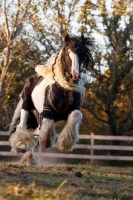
x=16 y=116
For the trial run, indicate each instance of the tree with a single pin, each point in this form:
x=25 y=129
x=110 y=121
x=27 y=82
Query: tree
x=109 y=97
x=10 y=29
x=51 y=22
x=20 y=69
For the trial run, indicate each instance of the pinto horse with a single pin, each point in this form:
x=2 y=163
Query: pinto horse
x=54 y=93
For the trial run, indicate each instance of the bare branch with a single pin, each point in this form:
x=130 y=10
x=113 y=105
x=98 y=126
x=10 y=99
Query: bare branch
x=6 y=21
x=95 y=116
x=14 y=27
x=25 y=11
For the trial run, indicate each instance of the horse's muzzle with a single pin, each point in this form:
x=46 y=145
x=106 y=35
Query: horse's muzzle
x=75 y=76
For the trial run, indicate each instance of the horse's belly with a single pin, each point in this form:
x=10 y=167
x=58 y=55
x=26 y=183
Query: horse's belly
x=38 y=94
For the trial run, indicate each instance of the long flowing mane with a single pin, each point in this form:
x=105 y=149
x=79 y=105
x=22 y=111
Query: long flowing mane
x=56 y=66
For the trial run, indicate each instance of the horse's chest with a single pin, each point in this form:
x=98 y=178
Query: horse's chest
x=62 y=99
x=61 y=102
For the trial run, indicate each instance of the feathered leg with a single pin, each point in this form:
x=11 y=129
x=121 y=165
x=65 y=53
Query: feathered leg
x=28 y=159
x=69 y=135
x=23 y=140
x=47 y=133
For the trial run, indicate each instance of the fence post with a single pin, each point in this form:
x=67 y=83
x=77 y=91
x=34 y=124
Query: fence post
x=92 y=150
x=39 y=155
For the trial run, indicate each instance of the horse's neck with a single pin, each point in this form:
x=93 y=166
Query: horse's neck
x=61 y=80
x=52 y=70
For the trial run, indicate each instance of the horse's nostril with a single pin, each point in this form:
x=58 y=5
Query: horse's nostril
x=75 y=76
x=71 y=76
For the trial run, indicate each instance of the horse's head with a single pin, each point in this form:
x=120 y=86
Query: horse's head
x=76 y=54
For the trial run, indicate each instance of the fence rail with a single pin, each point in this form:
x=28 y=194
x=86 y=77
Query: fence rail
x=41 y=153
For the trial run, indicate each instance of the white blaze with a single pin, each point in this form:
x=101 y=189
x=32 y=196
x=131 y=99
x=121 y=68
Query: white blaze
x=75 y=62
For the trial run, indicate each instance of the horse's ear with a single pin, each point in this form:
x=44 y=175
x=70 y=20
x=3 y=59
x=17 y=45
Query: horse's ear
x=67 y=38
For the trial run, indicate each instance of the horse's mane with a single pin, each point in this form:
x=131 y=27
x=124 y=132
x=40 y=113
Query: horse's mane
x=52 y=68
x=46 y=68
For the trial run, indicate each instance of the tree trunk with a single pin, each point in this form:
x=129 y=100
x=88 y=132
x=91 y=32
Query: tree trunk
x=2 y=86
x=2 y=80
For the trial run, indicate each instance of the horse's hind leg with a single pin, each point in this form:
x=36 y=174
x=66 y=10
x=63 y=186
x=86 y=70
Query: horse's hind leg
x=23 y=139
x=47 y=134
x=69 y=135
x=17 y=138
x=23 y=119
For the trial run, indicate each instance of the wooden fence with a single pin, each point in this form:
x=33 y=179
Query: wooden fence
x=42 y=153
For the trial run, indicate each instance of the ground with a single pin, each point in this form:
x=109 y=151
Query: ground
x=65 y=182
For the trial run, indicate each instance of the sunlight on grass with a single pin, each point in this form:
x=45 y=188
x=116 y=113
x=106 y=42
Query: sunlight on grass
x=32 y=192
x=62 y=183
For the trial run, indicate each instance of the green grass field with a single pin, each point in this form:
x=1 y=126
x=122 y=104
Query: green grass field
x=63 y=182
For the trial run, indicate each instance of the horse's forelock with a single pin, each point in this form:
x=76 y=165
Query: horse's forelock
x=82 y=46
x=65 y=64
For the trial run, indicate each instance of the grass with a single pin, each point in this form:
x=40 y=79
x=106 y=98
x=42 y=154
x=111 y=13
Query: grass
x=63 y=182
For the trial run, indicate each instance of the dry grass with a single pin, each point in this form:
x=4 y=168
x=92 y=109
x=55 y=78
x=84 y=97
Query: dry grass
x=76 y=182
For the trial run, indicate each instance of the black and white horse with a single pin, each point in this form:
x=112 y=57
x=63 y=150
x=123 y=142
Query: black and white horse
x=55 y=93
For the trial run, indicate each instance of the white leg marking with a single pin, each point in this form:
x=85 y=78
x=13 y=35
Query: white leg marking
x=23 y=118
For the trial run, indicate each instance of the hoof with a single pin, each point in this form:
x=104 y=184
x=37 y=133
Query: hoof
x=65 y=144
x=22 y=140
x=28 y=160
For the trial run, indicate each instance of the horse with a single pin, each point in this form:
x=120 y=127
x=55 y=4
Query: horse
x=54 y=93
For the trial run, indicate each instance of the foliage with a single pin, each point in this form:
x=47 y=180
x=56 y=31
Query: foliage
x=109 y=97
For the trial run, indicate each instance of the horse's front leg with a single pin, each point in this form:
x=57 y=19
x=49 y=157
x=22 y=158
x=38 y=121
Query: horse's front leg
x=69 y=135
x=47 y=133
